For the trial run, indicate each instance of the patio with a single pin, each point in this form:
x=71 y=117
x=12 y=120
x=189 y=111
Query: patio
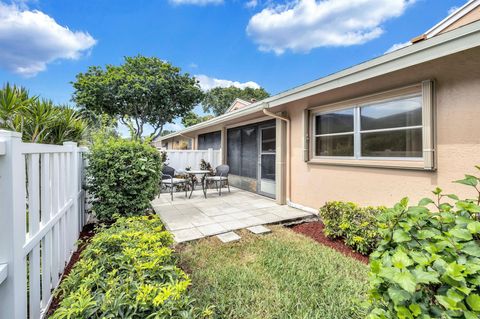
x=197 y=217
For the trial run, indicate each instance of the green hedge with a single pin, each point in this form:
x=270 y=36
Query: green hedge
x=127 y=271
x=428 y=262
x=357 y=226
x=123 y=177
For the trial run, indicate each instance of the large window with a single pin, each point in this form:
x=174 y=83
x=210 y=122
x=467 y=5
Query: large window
x=210 y=140
x=385 y=129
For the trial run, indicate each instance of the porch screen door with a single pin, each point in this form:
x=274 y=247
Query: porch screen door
x=267 y=161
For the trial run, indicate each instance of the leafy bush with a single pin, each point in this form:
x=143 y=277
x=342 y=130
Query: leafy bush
x=123 y=177
x=356 y=225
x=127 y=271
x=428 y=262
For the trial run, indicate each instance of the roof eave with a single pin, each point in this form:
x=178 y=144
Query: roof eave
x=448 y=43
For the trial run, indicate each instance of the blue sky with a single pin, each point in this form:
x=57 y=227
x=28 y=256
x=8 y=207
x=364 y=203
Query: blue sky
x=276 y=44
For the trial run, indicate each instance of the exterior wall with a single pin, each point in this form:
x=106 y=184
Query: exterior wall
x=472 y=16
x=458 y=140
x=176 y=143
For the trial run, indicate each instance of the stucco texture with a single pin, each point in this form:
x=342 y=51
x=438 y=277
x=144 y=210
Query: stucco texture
x=457 y=80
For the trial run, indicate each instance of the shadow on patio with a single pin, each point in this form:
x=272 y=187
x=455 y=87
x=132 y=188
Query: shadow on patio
x=190 y=219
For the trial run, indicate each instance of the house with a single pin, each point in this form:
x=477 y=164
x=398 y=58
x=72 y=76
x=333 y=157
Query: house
x=395 y=126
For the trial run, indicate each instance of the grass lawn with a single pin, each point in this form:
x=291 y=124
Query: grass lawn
x=279 y=275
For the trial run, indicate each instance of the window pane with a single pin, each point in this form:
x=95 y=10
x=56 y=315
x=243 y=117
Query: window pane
x=398 y=113
x=249 y=154
x=268 y=140
x=334 y=122
x=209 y=140
x=268 y=166
x=402 y=143
x=234 y=150
x=340 y=145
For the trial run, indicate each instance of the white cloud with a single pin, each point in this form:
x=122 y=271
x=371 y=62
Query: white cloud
x=251 y=3
x=398 y=46
x=196 y=2
x=29 y=40
x=302 y=25
x=452 y=10
x=207 y=83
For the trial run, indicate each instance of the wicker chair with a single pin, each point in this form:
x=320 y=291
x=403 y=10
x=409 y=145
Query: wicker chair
x=220 y=178
x=169 y=181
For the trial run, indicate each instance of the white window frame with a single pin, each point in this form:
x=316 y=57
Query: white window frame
x=425 y=162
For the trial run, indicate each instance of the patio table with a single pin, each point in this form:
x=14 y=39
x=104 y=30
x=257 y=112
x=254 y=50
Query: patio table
x=192 y=173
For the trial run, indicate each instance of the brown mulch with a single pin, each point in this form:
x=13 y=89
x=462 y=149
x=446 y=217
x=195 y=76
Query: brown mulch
x=314 y=230
x=87 y=232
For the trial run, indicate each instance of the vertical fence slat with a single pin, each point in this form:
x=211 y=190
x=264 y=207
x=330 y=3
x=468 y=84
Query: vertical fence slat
x=46 y=209
x=55 y=207
x=46 y=268
x=33 y=194
x=34 y=282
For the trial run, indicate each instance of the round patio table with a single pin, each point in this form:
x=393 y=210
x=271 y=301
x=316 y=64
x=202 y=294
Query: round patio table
x=192 y=173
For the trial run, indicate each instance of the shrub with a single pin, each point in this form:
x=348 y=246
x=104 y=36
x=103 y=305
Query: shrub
x=123 y=177
x=356 y=225
x=428 y=262
x=127 y=271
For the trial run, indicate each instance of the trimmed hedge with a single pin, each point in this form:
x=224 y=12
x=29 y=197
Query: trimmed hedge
x=127 y=271
x=123 y=177
x=428 y=262
x=357 y=226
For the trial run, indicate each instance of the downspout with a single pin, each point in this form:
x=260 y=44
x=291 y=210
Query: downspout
x=287 y=121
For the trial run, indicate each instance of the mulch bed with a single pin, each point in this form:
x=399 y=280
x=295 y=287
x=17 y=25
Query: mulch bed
x=87 y=232
x=315 y=230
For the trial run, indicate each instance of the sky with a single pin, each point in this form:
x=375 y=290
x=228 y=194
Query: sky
x=277 y=45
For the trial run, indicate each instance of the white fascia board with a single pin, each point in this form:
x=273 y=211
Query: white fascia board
x=452 y=18
x=461 y=39
x=458 y=40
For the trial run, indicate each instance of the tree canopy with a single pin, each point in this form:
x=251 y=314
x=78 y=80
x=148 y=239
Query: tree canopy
x=39 y=120
x=191 y=118
x=218 y=100
x=142 y=91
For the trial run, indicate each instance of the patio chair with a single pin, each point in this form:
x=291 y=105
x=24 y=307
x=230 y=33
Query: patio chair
x=169 y=181
x=220 y=177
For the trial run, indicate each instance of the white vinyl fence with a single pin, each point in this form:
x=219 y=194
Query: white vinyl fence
x=181 y=159
x=41 y=214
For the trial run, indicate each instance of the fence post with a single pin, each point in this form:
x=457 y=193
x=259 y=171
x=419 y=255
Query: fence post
x=13 y=290
x=74 y=227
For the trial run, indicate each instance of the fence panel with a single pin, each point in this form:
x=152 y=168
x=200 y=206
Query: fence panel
x=42 y=212
x=181 y=159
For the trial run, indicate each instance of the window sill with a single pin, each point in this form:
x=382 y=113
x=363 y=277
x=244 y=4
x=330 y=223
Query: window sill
x=395 y=164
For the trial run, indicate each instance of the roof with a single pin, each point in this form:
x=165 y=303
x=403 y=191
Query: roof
x=452 y=18
x=457 y=40
x=236 y=102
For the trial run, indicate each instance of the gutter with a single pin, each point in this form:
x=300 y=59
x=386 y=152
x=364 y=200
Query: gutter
x=288 y=157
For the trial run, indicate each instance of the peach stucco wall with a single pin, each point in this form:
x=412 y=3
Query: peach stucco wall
x=457 y=80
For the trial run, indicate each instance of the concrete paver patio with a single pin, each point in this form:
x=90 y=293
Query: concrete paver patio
x=197 y=217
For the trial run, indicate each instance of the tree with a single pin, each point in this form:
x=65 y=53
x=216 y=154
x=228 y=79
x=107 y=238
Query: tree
x=39 y=120
x=142 y=91
x=191 y=118
x=218 y=100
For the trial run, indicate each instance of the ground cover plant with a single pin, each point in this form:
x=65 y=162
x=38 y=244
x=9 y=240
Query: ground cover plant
x=123 y=176
x=127 y=271
x=357 y=226
x=428 y=262
x=279 y=275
